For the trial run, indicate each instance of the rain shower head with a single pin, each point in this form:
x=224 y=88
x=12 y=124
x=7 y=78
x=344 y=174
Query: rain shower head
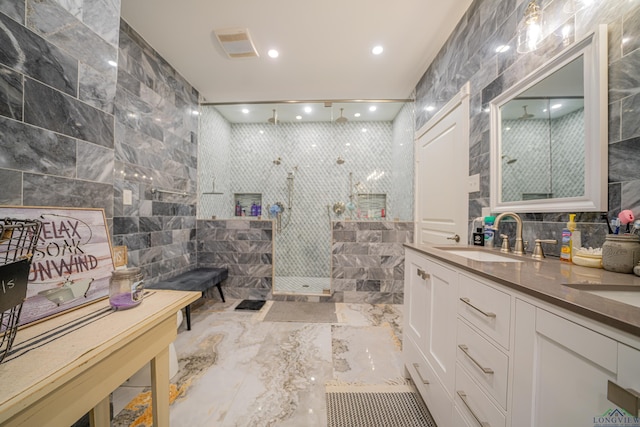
x=342 y=119
x=525 y=115
x=340 y=160
x=277 y=161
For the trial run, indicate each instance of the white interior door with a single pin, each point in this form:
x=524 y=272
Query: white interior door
x=442 y=174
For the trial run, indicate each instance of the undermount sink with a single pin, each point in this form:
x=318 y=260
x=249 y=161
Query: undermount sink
x=627 y=297
x=478 y=255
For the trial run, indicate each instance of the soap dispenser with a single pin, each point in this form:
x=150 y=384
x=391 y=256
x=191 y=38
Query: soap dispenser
x=571 y=240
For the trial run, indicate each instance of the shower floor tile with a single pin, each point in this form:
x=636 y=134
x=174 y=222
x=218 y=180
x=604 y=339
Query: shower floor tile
x=302 y=285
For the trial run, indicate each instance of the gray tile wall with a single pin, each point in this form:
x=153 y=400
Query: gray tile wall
x=243 y=246
x=156 y=147
x=57 y=92
x=88 y=109
x=469 y=55
x=367 y=261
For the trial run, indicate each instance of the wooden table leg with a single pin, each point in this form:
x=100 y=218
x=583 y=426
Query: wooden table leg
x=100 y=415
x=160 y=388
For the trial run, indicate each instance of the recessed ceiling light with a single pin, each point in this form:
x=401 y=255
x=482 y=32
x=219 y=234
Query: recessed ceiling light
x=347 y=144
x=373 y=108
x=502 y=48
x=377 y=50
x=308 y=110
x=298 y=117
x=245 y=110
x=364 y=129
x=261 y=132
x=273 y=53
x=429 y=108
x=313 y=145
x=356 y=115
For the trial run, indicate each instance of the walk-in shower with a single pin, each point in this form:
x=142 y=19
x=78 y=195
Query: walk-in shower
x=297 y=164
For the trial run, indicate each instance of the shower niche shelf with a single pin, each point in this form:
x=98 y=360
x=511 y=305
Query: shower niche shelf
x=372 y=205
x=246 y=200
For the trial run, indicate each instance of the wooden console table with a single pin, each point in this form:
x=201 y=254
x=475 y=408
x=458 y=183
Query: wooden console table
x=68 y=365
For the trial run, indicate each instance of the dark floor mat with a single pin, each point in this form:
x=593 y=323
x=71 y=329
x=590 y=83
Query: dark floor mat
x=250 y=304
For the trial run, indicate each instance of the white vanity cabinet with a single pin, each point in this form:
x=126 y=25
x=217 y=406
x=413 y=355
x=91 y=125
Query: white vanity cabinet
x=430 y=332
x=562 y=369
x=484 y=354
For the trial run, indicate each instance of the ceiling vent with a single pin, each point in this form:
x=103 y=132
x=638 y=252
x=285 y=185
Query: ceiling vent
x=236 y=43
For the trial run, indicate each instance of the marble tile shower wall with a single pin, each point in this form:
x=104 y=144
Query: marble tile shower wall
x=402 y=163
x=470 y=55
x=57 y=92
x=76 y=129
x=367 y=263
x=156 y=147
x=245 y=247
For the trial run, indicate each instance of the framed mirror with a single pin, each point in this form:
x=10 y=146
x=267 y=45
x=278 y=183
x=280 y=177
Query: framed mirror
x=549 y=135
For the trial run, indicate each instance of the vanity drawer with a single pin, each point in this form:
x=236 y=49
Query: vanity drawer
x=432 y=391
x=474 y=404
x=484 y=362
x=486 y=308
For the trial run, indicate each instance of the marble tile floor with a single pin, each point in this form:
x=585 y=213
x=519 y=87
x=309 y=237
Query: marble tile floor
x=238 y=370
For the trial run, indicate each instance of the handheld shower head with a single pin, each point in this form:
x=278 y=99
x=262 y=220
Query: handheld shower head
x=340 y=160
x=277 y=161
x=510 y=161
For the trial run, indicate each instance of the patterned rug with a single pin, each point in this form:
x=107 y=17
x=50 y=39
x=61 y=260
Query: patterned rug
x=385 y=405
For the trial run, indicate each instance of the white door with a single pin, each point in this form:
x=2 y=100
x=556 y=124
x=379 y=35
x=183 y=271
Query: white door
x=442 y=174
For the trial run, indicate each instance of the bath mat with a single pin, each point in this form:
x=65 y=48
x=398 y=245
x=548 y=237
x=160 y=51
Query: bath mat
x=366 y=409
x=250 y=304
x=305 y=312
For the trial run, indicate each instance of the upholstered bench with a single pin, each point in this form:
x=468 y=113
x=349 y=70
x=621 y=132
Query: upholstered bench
x=200 y=279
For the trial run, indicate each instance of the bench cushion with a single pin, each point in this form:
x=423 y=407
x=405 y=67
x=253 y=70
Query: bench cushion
x=199 y=279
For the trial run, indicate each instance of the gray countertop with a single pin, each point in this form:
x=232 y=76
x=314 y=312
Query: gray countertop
x=563 y=284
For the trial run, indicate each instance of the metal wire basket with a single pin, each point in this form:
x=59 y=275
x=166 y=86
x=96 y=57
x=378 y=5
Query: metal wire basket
x=18 y=239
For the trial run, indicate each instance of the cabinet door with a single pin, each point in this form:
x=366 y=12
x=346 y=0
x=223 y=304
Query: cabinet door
x=431 y=314
x=625 y=392
x=415 y=313
x=561 y=370
x=442 y=289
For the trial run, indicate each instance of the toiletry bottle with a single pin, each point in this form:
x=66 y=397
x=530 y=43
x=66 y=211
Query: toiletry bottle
x=258 y=210
x=566 y=251
x=238 y=209
x=576 y=236
x=478 y=237
x=254 y=211
x=488 y=231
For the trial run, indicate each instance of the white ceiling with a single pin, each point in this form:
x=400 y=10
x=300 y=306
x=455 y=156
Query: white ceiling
x=325 y=46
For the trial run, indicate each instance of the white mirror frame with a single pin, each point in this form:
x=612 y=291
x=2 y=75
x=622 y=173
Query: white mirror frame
x=594 y=49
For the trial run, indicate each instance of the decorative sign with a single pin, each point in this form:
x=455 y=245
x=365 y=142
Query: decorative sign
x=72 y=262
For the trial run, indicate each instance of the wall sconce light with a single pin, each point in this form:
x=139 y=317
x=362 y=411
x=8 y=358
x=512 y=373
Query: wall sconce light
x=530 y=28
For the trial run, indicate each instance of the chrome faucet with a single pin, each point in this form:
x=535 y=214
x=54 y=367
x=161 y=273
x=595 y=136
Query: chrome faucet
x=519 y=248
